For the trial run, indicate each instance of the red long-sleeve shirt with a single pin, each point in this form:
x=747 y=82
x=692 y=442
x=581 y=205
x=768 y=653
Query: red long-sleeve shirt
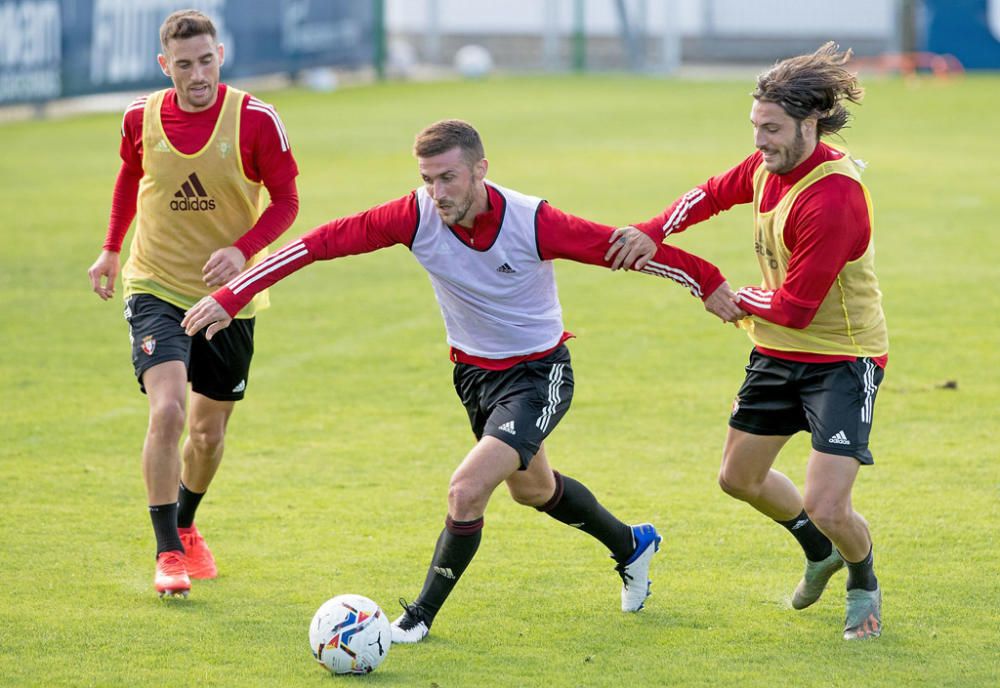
x=559 y=234
x=826 y=228
x=264 y=149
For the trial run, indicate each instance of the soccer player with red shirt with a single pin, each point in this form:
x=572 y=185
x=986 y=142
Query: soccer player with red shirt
x=489 y=252
x=194 y=160
x=816 y=322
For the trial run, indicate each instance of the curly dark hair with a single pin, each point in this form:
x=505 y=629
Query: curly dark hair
x=813 y=85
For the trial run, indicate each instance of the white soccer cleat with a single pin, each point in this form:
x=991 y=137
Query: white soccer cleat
x=411 y=626
x=635 y=570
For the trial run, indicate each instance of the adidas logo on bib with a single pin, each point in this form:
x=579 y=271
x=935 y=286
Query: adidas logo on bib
x=506 y=268
x=192 y=196
x=839 y=438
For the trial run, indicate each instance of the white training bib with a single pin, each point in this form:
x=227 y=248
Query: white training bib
x=497 y=302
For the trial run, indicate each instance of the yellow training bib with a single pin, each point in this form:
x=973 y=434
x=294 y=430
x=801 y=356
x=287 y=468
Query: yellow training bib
x=850 y=320
x=188 y=207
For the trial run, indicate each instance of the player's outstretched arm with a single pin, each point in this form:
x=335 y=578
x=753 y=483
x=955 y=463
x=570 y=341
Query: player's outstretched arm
x=103 y=274
x=206 y=313
x=561 y=235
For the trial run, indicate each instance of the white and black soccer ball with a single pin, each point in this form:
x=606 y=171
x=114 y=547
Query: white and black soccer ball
x=349 y=634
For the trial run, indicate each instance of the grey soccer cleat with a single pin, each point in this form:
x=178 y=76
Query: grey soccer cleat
x=814 y=580
x=864 y=614
x=411 y=626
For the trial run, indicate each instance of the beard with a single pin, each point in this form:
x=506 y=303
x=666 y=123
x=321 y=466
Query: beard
x=790 y=156
x=456 y=211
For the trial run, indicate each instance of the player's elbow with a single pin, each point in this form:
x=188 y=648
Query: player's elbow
x=791 y=314
x=798 y=321
x=292 y=206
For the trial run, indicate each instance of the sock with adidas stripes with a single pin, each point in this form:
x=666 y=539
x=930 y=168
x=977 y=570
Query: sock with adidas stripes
x=456 y=546
x=575 y=505
x=816 y=545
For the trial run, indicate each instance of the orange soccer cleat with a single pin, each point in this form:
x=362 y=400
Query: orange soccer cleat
x=171 y=576
x=197 y=556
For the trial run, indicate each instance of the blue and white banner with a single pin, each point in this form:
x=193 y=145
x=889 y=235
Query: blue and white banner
x=30 y=50
x=967 y=29
x=56 y=48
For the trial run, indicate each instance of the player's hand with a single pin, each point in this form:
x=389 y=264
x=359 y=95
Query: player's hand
x=630 y=249
x=206 y=313
x=722 y=304
x=223 y=265
x=104 y=268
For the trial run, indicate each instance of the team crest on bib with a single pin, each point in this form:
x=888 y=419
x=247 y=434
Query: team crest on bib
x=148 y=345
x=224 y=148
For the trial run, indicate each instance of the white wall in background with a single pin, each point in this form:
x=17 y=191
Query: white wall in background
x=873 y=18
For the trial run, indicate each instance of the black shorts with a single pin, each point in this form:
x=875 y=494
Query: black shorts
x=218 y=369
x=519 y=406
x=834 y=401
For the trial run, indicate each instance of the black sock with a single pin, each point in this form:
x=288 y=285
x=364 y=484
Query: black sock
x=862 y=574
x=455 y=548
x=816 y=545
x=575 y=505
x=187 y=504
x=165 y=526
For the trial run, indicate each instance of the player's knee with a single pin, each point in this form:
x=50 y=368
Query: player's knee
x=465 y=498
x=531 y=495
x=829 y=515
x=206 y=440
x=166 y=420
x=737 y=486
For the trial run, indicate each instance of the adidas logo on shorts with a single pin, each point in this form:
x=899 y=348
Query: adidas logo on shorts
x=839 y=438
x=508 y=427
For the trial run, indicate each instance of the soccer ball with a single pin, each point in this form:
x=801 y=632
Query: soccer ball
x=350 y=634
x=473 y=61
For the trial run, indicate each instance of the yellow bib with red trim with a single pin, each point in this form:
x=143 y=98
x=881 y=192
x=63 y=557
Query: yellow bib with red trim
x=850 y=320
x=188 y=207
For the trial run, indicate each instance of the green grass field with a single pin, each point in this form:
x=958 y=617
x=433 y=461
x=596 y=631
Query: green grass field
x=338 y=461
